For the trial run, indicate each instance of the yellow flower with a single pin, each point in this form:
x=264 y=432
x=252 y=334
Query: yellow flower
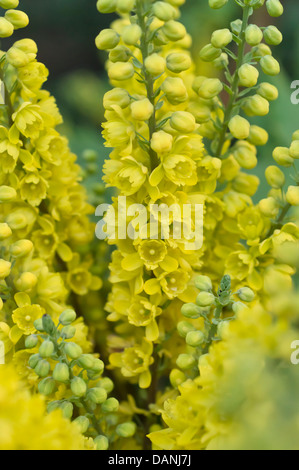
x=28 y=120
x=26 y=314
x=142 y=313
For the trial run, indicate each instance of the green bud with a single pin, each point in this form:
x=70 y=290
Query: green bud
x=38 y=325
x=275 y=177
x=191 y=311
x=106 y=383
x=238 y=307
x=97 y=395
x=184 y=328
x=174 y=30
x=210 y=88
x=78 y=387
x=126 y=430
x=274 y=8
x=253 y=35
x=53 y=406
x=178 y=62
x=106 y=6
x=222 y=328
x=270 y=66
x=46 y=349
x=183 y=122
x=131 y=34
x=294 y=149
x=236 y=26
x=73 y=350
x=68 y=332
x=282 y=156
x=6 y=30
x=185 y=361
x=107 y=39
x=67 y=317
x=256 y=105
x=42 y=368
x=5 y=231
x=61 y=373
x=110 y=406
x=203 y=283
x=98 y=366
x=121 y=71
x=31 y=342
x=86 y=361
x=248 y=75
x=246 y=294
x=273 y=36
x=120 y=54
x=125 y=6
x=164 y=11
x=258 y=136
x=177 y=377
x=21 y=248
x=67 y=409
x=34 y=360
x=239 y=127
x=209 y=53
x=83 y=423
x=101 y=442
x=269 y=207
x=195 y=338
x=48 y=324
x=221 y=38
x=205 y=299
x=268 y=91
x=216 y=4
x=47 y=386
x=295 y=135
x=155 y=64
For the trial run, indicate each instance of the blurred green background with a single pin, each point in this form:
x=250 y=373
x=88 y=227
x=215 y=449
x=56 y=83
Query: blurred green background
x=65 y=30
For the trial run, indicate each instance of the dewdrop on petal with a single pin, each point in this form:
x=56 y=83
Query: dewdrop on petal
x=275 y=177
x=274 y=8
x=216 y=4
x=164 y=11
x=183 y=122
x=239 y=127
x=131 y=34
x=273 y=36
x=294 y=149
x=142 y=110
x=155 y=64
x=253 y=35
x=121 y=71
x=6 y=28
x=174 y=30
x=282 y=156
x=162 y=142
x=5 y=231
x=106 y=6
x=17 y=18
x=268 y=91
x=270 y=66
x=248 y=75
x=107 y=39
x=292 y=195
x=21 y=248
x=221 y=38
x=178 y=62
x=5 y=267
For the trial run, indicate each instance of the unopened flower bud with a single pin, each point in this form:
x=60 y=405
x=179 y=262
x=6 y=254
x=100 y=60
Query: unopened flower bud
x=175 y=90
x=31 y=342
x=5 y=267
x=21 y=248
x=246 y=294
x=295 y=136
x=106 y=383
x=269 y=207
x=68 y=332
x=142 y=110
x=110 y=406
x=131 y=34
x=248 y=75
x=185 y=361
x=67 y=409
x=106 y=6
x=185 y=327
x=9 y=4
x=256 y=105
x=205 y=299
x=221 y=38
x=155 y=64
x=116 y=96
x=6 y=28
x=125 y=6
x=203 y=283
x=164 y=11
x=216 y=4
x=119 y=54
x=273 y=36
x=38 y=325
x=161 y=142
x=73 y=350
x=47 y=386
x=294 y=149
x=126 y=429
x=107 y=39
x=258 y=136
x=270 y=66
x=275 y=177
x=83 y=423
x=7 y=193
x=17 y=18
x=274 y=8
x=101 y=443
x=34 y=360
x=5 y=231
x=238 y=307
x=61 y=373
x=282 y=156
x=78 y=387
x=209 y=53
x=67 y=317
x=178 y=62
x=183 y=121
x=42 y=368
x=16 y=57
x=121 y=71
x=174 y=30
x=26 y=282
x=292 y=195
x=195 y=338
x=239 y=127
x=253 y=35
x=210 y=88
x=177 y=377
x=48 y=325
x=86 y=361
x=236 y=26
x=245 y=154
x=268 y=91
x=191 y=311
x=97 y=395
x=46 y=349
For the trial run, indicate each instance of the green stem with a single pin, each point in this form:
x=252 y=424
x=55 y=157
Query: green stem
x=235 y=84
x=213 y=329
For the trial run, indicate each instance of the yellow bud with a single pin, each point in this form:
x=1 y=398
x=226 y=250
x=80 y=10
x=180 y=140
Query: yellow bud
x=121 y=71
x=107 y=39
x=125 y=6
x=106 y=6
x=21 y=248
x=7 y=193
x=200 y=111
x=183 y=121
x=295 y=135
x=274 y=8
x=282 y=156
x=120 y=54
x=116 y=96
x=239 y=127
x=248 y=75
x=177 y=377
x=198 y=81
x=294 y=149
x=155 y=64
x=210 y=88
x=9 y=4
x=5 y=268
x=269 y=207
x=174 y=30
x=17 y=18
x=256 y=105
x=221 y=62
x=245 y=154
x=178 y=62
x=246 y=184
x=268 y=91
x=131 y=34
x=164 y=11
x=253 y=35
x=6 y=28
x=216 y=4
x=161 y=142
x=273 y=36
x=26 y=282
x=221 y=38
x=142 y=110
x=28 y=46
x=292 y=195
x=5 y=231
x=275 y=177
x=209 y=53
x=258 y=136
x=175 y=90
x=176 y=3
x=270 y=66
x=261 y=51
x=16 y=57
